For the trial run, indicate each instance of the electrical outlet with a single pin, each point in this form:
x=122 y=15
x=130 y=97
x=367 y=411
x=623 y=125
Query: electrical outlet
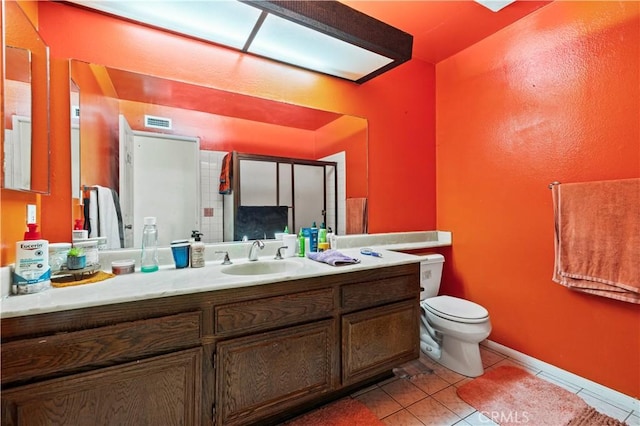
x=31 y=213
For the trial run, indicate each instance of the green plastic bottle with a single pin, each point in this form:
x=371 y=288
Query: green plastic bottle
x=301 y=244
x=322 y=233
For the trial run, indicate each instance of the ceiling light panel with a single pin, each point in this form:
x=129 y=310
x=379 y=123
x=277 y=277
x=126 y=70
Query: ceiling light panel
x=224 y=22
x=295 y=44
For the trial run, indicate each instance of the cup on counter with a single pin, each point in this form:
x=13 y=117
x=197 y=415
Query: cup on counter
x=289 y=240
x=180 y=250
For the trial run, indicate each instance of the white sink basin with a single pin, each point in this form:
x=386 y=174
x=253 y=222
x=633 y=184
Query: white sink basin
x=262 y=267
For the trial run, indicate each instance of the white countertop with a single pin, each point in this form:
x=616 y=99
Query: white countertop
x=169 y=281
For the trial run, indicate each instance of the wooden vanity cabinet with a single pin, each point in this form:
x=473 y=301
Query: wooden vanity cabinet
x=250 y=355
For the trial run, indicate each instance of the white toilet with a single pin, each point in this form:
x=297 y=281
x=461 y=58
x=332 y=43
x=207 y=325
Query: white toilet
x=450 y=328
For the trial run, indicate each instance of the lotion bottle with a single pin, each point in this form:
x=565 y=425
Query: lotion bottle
x=32 y=273
x=197 y=250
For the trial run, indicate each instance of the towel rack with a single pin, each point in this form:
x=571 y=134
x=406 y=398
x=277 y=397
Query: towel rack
x=554 y=183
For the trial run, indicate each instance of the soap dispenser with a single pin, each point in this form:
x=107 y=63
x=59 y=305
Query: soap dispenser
x=197 y=250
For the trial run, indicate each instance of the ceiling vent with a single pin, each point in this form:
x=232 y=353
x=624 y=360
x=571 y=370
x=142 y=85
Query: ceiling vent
x=157 y=122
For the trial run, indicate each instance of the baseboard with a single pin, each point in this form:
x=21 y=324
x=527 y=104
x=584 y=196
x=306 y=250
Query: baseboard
x=610 y=395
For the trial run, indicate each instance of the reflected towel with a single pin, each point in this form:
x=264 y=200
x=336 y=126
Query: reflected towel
x=333 y=258
x=356 y=215
x=597 y=238
x=226 y=174
x=104 y=217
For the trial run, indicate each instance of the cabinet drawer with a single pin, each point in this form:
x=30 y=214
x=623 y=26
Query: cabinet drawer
x=375 y=293
x=64 y=352
x=261 y=314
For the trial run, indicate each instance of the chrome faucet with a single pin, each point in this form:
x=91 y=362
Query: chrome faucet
x=253 y=254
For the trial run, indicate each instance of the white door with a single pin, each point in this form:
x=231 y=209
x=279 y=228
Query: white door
x=126 y=179
x=166 y=184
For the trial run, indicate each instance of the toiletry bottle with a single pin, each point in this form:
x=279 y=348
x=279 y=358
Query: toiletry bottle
x=301 y=244
x=313 y=238
x=286 y=229
x=322 y=233
x=32 y=272
x=331 y=238
x=197 y=250
x=149 y=260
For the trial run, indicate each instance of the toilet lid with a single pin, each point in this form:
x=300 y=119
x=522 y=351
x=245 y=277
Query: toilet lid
x=455 y=309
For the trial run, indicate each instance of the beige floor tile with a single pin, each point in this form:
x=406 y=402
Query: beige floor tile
x=430 y=383
x=431 y=412
x=449 y=376
x=450 y=399
x=402 y=418
x=490 y=357
x=404 y=392
x=379 y=402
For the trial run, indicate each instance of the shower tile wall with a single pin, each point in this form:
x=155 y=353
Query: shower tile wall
x=211 y=201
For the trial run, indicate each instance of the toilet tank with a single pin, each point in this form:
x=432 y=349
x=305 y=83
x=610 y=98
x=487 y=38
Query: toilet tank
x=430 y=275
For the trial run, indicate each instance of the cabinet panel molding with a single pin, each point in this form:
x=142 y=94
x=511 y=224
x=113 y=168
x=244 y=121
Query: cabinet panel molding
x=263 y=374
x=114 y=395
x=29 y=358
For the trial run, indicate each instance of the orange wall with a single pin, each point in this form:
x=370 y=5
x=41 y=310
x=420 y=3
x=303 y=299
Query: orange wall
x=554 y=96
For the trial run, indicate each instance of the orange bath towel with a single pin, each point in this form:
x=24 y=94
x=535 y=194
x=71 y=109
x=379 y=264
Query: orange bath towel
x=226 y=174
x=597 y=238
x=356 y=215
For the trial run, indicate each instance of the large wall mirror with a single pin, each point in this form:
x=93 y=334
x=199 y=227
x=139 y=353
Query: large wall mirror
x=26 y=104
x=116 y=104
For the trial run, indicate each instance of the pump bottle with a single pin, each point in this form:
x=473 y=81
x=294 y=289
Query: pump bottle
x=32 y=273
x=197 y=250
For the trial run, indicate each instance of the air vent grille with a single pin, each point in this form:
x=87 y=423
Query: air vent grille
x=157 y=122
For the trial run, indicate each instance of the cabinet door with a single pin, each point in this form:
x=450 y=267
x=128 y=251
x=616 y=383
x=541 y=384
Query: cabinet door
x=265 y=374
x=163 y=390
x=376 y=340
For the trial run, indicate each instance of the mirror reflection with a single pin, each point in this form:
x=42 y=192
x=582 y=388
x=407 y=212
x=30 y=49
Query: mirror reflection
x=17 y=136
x=26 y=102
x=115 y=103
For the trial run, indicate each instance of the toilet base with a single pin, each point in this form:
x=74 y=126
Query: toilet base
x=461 y=357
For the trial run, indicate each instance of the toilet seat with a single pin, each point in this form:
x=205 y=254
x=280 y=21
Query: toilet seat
x=454 y=309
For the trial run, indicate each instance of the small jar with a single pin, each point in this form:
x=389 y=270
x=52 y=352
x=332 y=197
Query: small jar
x=122 y=267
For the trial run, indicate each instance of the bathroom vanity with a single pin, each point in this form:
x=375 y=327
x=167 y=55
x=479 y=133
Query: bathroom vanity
x=196 y=346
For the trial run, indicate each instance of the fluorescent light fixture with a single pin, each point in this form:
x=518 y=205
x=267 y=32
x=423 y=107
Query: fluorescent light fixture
x=324 y=36
x=495 y=5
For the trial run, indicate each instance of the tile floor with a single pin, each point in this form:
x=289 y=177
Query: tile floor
x=431 y=399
